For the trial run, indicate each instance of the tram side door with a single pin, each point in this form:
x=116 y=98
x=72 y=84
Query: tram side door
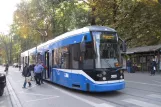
x=23 y=62
x=47 y=65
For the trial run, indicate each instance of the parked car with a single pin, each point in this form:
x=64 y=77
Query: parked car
x=2 y=83
x=15 y=65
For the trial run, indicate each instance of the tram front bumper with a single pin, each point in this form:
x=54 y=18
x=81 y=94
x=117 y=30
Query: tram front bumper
x=107 y=87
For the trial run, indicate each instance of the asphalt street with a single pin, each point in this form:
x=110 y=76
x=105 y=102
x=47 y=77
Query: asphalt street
x=142 y=90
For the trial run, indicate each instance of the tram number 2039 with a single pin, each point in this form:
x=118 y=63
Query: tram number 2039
x=113 y=76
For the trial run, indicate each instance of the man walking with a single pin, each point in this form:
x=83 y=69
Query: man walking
x=6 y=68
x=26 y=73
x=38 y=70
x=129 y=65
x=153 y=66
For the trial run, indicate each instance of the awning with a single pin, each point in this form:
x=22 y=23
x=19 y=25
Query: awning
x=143 y=49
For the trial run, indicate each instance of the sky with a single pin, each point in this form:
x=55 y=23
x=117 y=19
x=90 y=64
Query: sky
x=7 y=8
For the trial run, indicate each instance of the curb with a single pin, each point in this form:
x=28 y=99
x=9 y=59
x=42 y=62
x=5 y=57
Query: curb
x=14 y=99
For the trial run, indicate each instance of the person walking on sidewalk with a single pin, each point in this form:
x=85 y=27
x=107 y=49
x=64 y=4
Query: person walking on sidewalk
x=129 y=66
x=6 y=68
x=153 y=66
x=19 y=66
x=38 y=70
x=26 y=73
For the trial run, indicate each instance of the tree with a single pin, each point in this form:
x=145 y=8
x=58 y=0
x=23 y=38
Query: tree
x=5 y=46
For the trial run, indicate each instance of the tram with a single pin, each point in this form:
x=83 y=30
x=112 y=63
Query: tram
x=87 y=59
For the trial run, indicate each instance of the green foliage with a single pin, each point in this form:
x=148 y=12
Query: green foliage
x=5 y=47
x=36 y=21
x=137 y=21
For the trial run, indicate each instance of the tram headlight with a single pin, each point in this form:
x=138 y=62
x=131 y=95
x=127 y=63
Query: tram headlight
x=121 y=71
x=104 y=72
x=99 y=75
x=121 y=77
x=104 y=78
x=121 y=74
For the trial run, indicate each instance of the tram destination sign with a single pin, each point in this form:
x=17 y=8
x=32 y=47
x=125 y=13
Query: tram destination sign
x=108 y=38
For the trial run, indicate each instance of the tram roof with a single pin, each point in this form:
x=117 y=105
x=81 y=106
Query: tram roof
x=45 y=45
x=81 y=31
x=24 y=53
x=84 y=30
x=32 y=51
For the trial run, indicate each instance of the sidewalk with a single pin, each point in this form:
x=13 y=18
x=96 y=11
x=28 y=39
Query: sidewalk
x=145 y=72
x=5 y=100
x=45 y=95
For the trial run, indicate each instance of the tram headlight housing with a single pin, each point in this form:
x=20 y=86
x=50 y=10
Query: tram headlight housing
x=104 y=78
x=104 y=72
x=99 y=75
x=121 y=74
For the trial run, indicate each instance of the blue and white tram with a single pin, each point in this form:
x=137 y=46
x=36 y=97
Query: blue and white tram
x=86 y=59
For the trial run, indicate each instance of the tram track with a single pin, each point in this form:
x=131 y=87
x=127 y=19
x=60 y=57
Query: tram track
x=132 y=95
x=122 y=105
x=105 y=96
x=144 y=90
x=117 y=104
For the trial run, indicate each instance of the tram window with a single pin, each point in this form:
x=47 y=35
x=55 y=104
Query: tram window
x=56 y=57
x=88 y=62
x=89 y=51
x=75 y=54
x=61 y=58
x=64 y=57
x=32 y=59
x=26 y=59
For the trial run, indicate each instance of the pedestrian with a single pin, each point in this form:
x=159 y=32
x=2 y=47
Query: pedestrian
x=6 y=68
x=38 y=70
x=43 y=71
x=19 y=67
x=153 y=66
x=26 y=73
x=129 y=65
x=31 y=68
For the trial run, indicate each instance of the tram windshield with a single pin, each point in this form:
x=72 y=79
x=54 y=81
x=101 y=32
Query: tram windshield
x=106 y=49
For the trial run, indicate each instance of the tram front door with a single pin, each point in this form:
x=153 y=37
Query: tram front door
x=47 y=73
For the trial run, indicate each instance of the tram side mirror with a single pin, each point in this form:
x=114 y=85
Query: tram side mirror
x=83 y=44
x=124 y=46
